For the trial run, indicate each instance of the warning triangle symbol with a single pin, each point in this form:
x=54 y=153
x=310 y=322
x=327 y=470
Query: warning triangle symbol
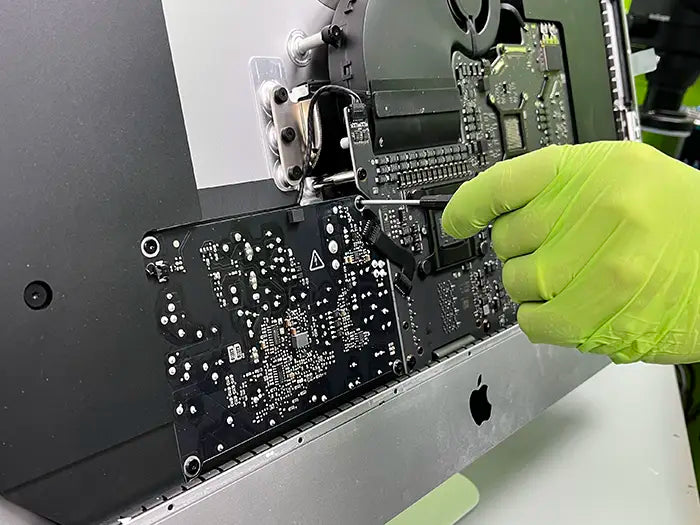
x=316 y=262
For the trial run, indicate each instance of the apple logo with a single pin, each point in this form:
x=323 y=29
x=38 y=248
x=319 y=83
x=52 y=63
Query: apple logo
x=479 y=404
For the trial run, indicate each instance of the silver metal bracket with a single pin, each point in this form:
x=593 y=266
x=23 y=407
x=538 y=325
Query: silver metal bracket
x=619 y=56
x=280 y=121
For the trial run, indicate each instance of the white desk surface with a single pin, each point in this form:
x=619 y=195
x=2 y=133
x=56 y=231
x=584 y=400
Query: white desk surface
x=614 y=451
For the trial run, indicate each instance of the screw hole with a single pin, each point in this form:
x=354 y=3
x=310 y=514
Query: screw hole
x=38 y=295
x=396 y=390
x=420 y=350
x=150 y=247
x=358 y=204
x=300 y=440
x=362 y=174
x=411 y=361
x=192 y=466
x=171 y=507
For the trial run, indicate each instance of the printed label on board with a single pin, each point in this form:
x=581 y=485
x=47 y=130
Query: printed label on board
x=316 y=262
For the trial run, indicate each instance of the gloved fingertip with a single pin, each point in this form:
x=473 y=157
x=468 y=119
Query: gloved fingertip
x=455 y=227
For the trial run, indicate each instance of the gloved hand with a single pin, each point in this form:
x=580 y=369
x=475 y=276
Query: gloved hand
x=602 y=247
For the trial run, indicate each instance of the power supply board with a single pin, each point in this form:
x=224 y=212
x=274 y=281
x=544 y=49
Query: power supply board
x=272 y=317
x=269 y=317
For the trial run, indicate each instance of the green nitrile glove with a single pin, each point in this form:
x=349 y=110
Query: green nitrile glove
x=602 y=247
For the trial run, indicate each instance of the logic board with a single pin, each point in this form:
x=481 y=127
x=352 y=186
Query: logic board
x=268 y=317
x=510 y=104
x=515 y=103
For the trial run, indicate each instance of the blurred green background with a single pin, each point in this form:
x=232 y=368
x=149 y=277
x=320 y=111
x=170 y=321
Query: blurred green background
x=692 y=400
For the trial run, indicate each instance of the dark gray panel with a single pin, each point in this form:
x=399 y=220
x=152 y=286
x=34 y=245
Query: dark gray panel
x=108 y=484
x=94 y=153
x=246 y=197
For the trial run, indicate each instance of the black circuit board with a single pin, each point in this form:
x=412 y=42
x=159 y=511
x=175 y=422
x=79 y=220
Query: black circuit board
x=453 y=297
x=513 y=102
x=268 y=318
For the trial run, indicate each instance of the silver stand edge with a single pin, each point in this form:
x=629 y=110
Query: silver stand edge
x=374 y=459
